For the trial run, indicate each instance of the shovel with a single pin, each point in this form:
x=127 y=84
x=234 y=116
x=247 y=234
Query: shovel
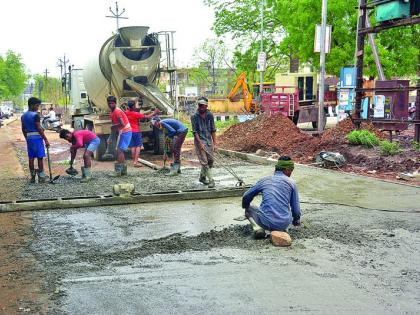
x=52 y=180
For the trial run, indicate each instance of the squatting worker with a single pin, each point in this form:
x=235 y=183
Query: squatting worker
x=35 y=139
x=79 y=139
x=121 y=127
x=204 y=131
x=136 y=142
x=173 y=128
x=278 y=192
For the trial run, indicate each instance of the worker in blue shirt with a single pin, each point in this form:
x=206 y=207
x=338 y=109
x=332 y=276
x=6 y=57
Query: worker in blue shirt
x=280 y=201
x=35 y=139
x=173 y=128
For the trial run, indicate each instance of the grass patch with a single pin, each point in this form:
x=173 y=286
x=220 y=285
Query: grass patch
x=389 y=148
x=221 y=126
x=363 y=137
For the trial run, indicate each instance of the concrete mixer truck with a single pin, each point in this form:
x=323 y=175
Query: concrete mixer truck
x=127 y=67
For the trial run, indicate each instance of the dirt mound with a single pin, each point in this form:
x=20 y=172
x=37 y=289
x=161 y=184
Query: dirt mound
x=270 y=133
x=337 y=135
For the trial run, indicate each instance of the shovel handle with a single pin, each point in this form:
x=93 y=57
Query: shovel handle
x=49 y=163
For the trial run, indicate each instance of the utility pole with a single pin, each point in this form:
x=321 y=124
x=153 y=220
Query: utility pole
x=322 y=66
x=262 y=44
x=46 y=80
x=62 y=63
x=116 y=15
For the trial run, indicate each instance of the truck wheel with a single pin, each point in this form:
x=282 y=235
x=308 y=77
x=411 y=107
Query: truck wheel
x=159 y=141
x=101 y=148
x=324 y=122
x=295 y=118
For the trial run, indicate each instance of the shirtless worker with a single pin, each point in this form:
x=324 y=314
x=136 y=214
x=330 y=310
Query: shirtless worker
x=279 y=192
x=79 y=139
x=120 y=129
x=35 y=139
x=204 y=131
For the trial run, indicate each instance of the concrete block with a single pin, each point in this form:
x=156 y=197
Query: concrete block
x=279 y=238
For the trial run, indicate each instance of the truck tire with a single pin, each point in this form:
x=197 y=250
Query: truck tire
x=324 y=122
x=159 y=141
x=295 y=117
x=101 y=148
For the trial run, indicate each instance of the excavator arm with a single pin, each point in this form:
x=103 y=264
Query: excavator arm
x=247 y=96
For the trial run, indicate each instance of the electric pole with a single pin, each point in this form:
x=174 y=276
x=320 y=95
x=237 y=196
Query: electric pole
x=62 y=63
x=262 y=44
x=116 y=15
x=322 y=66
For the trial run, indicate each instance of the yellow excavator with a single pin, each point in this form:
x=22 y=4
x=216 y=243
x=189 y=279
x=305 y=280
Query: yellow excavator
x=249 y=104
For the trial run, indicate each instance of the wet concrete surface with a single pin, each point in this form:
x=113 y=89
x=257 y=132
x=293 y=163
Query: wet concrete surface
x=192 y=257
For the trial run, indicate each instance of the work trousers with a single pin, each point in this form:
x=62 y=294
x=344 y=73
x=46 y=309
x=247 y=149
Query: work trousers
x=179 y=141
x=204 y=156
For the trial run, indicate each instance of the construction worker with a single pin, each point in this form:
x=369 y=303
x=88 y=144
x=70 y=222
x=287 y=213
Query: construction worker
x=121 y=127
x=204 y=131
x=278 y=192
x=79 y=139
x=35 y=139
x=173 y=128
x=136 y=142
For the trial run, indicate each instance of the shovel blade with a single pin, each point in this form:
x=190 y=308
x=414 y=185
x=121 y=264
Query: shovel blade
x=54 y=179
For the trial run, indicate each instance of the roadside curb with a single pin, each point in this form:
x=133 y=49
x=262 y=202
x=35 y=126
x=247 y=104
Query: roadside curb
x=269 y=161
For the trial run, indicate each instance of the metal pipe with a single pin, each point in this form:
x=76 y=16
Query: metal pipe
x=375 y=52
x=262 y=43
x=322 y=66
x=359 y=57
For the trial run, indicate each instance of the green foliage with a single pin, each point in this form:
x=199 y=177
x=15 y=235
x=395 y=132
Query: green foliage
x=415 y=145
x=52 y=91
x=389 y=148
x=221 y=126
x=289 y=28
x=12 y=75
x=363 y=137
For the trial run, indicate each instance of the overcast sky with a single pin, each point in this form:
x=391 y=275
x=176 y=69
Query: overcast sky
x=43 y=30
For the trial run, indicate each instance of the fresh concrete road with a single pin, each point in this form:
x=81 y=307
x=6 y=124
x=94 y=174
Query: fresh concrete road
x=192 y=258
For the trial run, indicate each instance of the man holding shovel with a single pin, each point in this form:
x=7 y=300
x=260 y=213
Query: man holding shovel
x=79 y=139
x=173 y=128
x=279 y=192
x=204 y=131
x=35 y=139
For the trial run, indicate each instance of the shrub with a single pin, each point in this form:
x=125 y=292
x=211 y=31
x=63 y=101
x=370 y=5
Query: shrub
x=415 y=145
x=389 y=148
x=363 y=137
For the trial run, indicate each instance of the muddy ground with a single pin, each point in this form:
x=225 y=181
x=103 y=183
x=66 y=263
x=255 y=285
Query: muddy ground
x=358 y=251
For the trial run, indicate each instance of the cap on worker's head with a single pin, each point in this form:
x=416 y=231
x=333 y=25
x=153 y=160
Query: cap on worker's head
x=285 y=163
x=202 y=101
x=155 y=121
x=33 y=101
x=111 y=99
x=131 y=103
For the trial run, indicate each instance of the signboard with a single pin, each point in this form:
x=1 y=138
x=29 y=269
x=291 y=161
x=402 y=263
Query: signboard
x=191 y=91
x=317 y=41
x=261 y=61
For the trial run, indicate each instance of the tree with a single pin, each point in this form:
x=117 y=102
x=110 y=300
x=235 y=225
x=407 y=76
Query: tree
x=289 y=28
x=12 y=75
x=210 y=56
x=52 y=91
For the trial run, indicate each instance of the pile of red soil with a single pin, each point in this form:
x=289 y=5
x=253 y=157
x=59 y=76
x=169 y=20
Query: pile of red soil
x=270 y=133
x=337 y=135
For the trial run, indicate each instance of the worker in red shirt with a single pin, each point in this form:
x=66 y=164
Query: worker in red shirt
x=79 y=139
x=136 y=139
x=120 y=126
